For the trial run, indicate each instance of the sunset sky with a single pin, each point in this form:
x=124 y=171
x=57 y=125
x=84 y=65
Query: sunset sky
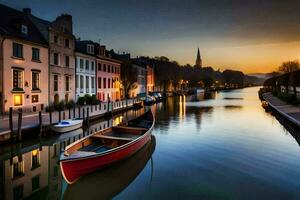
x=252 y=36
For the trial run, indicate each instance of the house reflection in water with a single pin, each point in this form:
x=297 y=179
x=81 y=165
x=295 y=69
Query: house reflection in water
x=33 y=173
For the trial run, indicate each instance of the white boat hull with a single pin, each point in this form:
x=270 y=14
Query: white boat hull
x=74 y=124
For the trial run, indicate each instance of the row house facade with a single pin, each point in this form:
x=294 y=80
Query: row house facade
x=23 y=63
x=59 y=35
x=85 y=81
x=108 y=75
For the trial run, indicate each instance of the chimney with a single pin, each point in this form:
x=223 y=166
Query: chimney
x=27 y=11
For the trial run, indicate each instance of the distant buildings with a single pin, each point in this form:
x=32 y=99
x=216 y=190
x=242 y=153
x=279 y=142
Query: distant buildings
x=23 y=64
x=198 y=59
x=85 y=80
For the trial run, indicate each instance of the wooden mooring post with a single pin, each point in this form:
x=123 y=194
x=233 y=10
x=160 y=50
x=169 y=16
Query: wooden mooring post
x=74 y=110
x=19 y=136
x=40 y=123
x=59 y=116
x=11 y=126
x=50 y=117
x=88 y=116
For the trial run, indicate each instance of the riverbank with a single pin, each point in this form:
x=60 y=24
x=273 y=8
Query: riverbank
x=290 y=112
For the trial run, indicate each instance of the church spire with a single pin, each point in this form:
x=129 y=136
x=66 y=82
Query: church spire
x=198 y=60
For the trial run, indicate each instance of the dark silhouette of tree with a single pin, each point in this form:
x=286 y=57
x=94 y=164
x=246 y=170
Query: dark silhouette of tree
x=128 y=77
x=289 y=66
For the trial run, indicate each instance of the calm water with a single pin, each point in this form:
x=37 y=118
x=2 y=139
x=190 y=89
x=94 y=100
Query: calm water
x=218 y=146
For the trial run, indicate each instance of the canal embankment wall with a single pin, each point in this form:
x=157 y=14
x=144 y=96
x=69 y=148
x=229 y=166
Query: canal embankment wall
x=290 y=112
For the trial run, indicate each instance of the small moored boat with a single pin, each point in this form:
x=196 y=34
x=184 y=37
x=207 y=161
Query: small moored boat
x=105 y=147
x=67 y=125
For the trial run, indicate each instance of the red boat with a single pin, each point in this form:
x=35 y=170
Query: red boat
x=105 y=147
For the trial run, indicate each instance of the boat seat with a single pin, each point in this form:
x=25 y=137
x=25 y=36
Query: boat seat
x=112 y=137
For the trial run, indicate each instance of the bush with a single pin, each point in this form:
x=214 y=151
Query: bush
x=60 y=106
x=70 y=104
x=81 y=101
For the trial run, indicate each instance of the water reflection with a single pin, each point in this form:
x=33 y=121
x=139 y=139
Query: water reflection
x=31 y=170
x=109 y=182
x=219 y=146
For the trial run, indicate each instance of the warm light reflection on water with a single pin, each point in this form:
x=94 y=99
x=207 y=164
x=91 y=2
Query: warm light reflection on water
x=209 y=146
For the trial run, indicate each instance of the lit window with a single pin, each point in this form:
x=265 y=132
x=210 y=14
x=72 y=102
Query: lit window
x=17 y=79
x=35 y=159
x=18 y=100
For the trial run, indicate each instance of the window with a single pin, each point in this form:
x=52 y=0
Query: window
x=67 y=83
x=35 y=54
x=18 y=169
x=35 y=98
x=81 y=83
x=90 y=49
x=24 y=29
x=104 y=82
x=35 y=183
x=108 y=83
x=87 y=65
x=108 y=68
x=99 y=67
x=67 y=61
x=92 y=66
x=81 y=63
x=18 y=99
x=55 y=39
x=17 y=50
x=35 y=76
x=87 y=81
x=55 y=59
x=104 y=67
x=67 y=43
x=55 y=82
x=18 y=192
x=76 y=81
x=17 y=80
x=99 y=82
x=92 y=83
x=35 y=159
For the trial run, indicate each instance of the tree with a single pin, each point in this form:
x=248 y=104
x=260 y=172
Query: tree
x=128 y=77
x=289 y=66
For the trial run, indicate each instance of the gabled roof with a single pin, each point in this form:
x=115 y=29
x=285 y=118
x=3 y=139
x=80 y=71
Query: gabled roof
x=11 y=21
x=81 y=46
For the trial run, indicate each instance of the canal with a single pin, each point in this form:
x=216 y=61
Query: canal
x=215 y=146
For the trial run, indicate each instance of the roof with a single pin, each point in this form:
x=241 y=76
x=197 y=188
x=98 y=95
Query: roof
x=81 y=46
x=10 y=25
